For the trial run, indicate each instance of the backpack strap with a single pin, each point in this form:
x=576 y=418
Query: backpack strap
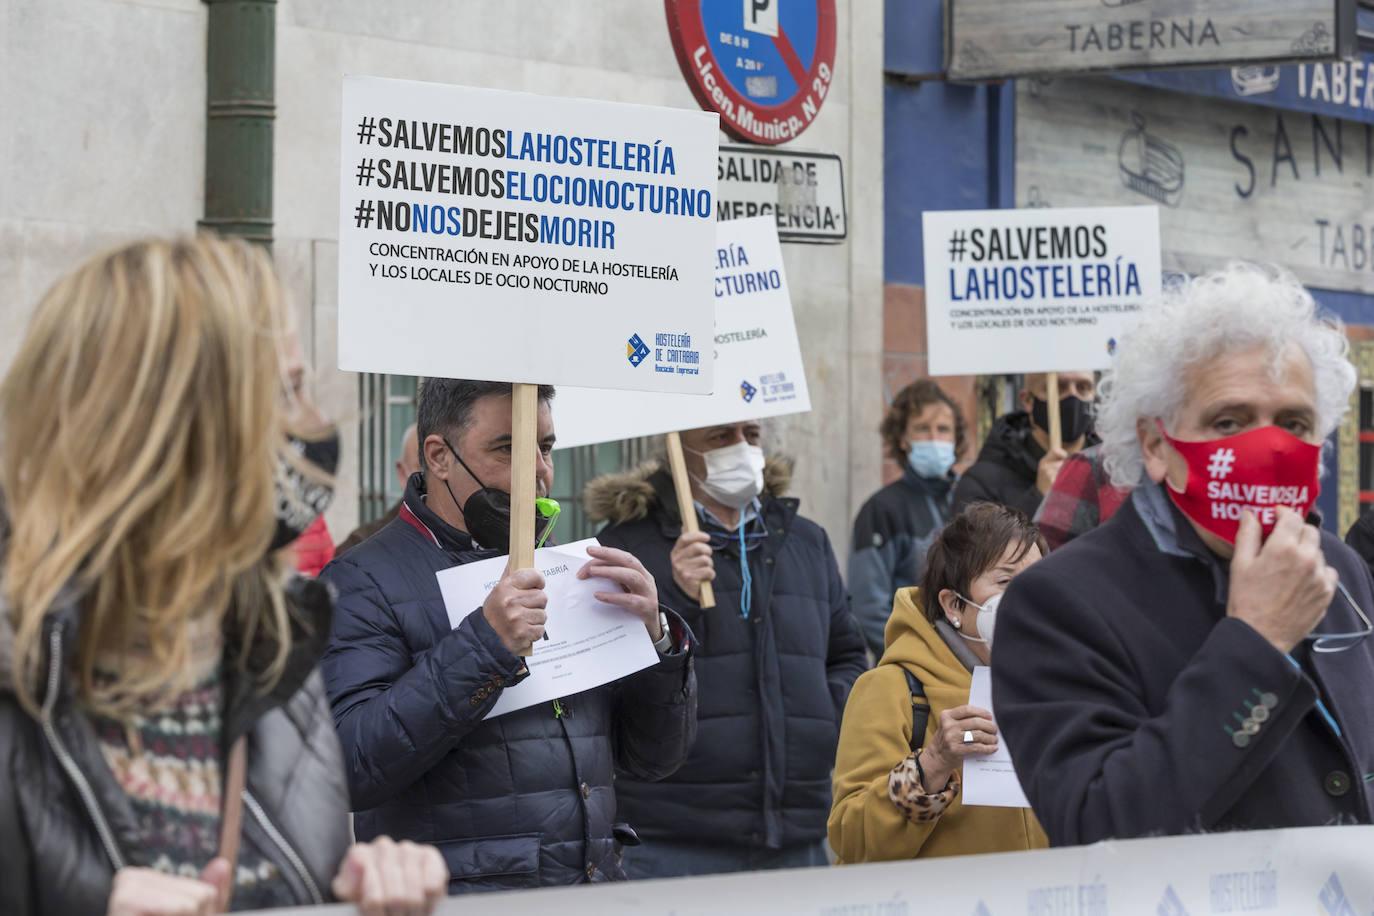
x=920 y=710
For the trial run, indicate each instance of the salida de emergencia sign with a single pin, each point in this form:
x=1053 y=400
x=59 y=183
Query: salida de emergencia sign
x=1038 y=290
x=515 y=237
x=802 y=192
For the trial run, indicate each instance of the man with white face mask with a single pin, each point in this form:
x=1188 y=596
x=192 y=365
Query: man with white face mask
x=776 y=656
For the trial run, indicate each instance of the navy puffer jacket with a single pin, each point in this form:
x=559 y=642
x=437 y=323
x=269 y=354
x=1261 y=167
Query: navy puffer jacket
x=773 y=686
x=522 y=800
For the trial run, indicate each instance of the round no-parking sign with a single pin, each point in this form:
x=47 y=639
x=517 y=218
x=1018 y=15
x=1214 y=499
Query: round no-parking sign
x=764 y=65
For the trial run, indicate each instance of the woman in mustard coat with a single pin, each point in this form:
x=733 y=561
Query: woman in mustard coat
x=898 y=798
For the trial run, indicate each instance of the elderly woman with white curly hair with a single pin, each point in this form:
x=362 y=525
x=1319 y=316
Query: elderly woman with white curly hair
x=1201 y=661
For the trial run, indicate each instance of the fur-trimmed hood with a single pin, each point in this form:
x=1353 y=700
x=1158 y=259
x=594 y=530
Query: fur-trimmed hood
x=628 y=496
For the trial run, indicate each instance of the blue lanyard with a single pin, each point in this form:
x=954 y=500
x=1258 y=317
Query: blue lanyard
x=1321 y=707
x=746 y=598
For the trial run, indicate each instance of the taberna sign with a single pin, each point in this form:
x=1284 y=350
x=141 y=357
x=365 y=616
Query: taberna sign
x=989 y=39
x=1342 y=88
x=803 y=192
x=766 y=66
x=1233 y=180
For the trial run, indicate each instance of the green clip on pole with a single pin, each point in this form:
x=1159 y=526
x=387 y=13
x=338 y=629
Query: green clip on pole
x=550 y=510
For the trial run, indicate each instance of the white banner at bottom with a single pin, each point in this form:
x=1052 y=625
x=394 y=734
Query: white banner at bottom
x=1328 y=871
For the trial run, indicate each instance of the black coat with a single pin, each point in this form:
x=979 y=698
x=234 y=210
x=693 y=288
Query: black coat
x=773 y=686
x=522 y=800
x=53 y=856
x=1006 y=469
x=892 y=534
x=1360 y=538
x=1121 y=688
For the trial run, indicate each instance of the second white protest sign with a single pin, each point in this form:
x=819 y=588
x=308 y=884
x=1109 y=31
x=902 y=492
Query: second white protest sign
x=758 y=362
x=1036 y=290
x=513 y=237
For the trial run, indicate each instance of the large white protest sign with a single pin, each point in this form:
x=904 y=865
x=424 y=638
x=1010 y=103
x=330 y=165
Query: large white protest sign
x=758 y=362
x=515 y=237
x=589 y=642
x=1036 y=290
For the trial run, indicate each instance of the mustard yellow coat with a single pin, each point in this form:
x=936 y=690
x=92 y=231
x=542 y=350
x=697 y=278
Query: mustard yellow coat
x=875 y=736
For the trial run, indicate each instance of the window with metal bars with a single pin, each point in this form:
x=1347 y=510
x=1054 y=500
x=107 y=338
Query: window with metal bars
x=573 y=468
x=388 y=409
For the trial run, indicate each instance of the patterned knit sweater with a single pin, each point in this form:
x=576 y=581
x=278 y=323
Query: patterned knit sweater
x=169 y=761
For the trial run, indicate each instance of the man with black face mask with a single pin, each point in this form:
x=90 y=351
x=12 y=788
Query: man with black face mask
x=525 y=799
x=1016 y=466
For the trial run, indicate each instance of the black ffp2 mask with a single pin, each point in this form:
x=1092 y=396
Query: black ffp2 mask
x=1075 y=416
x=300 y=499
x=486 y=513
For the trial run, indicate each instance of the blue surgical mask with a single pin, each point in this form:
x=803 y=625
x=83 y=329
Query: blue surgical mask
x=930 y=459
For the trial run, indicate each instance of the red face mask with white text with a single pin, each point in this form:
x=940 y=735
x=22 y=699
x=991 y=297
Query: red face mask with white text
x=1259 y=470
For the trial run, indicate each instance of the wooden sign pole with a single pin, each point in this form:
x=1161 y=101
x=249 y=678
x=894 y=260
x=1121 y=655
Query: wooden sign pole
x=685 y=507
x=524 y=436
x=1052 y=398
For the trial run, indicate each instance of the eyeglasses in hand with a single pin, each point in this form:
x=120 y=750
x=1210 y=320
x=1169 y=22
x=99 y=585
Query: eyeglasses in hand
x=1340 y=642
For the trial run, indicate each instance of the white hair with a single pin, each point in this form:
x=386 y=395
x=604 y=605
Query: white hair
x=1198 y=319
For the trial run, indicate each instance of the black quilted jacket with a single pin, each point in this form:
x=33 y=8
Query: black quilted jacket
x=773 y=685
x=66 y=826
x=522 y=800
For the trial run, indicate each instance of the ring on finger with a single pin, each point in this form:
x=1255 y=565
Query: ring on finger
x=968 y=736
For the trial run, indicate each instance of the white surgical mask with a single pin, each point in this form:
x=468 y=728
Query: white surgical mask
x=734 y=474
x=987 y=619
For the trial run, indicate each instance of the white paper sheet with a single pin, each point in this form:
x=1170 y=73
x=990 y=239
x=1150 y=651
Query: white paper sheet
x=990 y=780
x=590 y=643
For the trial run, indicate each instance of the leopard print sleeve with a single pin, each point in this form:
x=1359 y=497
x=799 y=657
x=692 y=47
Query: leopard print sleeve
x=906 y=792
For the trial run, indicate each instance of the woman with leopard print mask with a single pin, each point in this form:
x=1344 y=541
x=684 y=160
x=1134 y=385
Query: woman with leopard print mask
x=908 y=726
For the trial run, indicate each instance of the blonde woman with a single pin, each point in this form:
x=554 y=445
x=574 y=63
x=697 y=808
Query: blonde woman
x=165 y=746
